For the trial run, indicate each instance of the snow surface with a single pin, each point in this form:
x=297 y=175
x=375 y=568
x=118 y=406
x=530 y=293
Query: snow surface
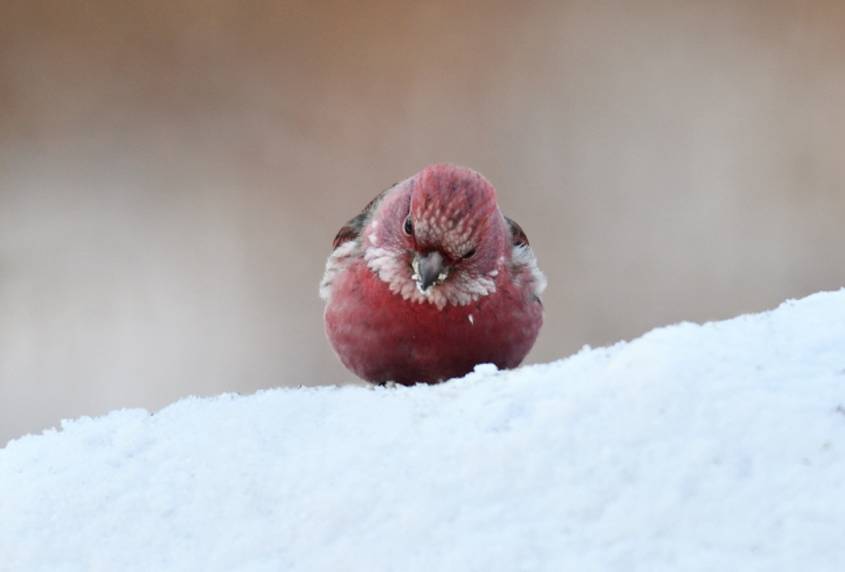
x=712 y=447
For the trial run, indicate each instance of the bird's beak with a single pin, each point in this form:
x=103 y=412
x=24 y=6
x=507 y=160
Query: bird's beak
x=428 y=269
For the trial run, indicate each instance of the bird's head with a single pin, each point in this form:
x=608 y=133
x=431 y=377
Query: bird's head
x=438 y=236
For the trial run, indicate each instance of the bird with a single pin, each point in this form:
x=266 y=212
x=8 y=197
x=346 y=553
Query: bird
x=429 y=280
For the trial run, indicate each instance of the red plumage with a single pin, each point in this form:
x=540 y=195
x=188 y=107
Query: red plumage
x=430 y=280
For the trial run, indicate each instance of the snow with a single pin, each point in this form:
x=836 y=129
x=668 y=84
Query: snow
x=694 y=447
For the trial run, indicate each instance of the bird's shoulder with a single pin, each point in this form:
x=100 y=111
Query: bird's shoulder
x=518 y=236
x=354 y=226
x=524 y=266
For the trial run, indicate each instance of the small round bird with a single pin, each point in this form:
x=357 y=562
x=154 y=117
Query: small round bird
x=431 y=279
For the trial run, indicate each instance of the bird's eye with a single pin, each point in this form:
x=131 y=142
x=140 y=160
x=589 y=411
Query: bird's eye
x=469 y=254
x=408 y=227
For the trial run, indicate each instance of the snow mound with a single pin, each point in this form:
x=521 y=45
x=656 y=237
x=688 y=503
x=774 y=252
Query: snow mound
x=695 y=447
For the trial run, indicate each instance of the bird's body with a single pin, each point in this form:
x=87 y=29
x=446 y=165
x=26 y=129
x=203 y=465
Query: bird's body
x=430 y=280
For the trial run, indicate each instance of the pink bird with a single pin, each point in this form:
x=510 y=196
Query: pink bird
x=431 y=279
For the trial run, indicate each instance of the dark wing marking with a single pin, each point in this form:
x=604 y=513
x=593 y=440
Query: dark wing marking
x=347 y=232
x=518 y=237
x=353 y=227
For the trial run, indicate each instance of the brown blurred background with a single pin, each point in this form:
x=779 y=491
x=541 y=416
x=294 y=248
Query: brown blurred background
x=172 y=173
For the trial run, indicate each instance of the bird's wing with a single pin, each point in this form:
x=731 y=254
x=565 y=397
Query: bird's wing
x=353 y=227
x=524 y=262
x=518 y=237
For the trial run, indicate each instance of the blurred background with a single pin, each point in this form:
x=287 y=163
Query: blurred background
x=172 y=173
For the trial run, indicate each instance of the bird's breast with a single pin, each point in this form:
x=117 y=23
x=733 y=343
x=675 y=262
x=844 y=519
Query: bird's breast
x=382 y=336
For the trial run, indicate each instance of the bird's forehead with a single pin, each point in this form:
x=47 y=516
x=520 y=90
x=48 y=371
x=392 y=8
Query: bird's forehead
x=448 y=201
x=453 y=236
x=450 y=191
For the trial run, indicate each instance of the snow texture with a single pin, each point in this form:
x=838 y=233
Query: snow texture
x=696 y=447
